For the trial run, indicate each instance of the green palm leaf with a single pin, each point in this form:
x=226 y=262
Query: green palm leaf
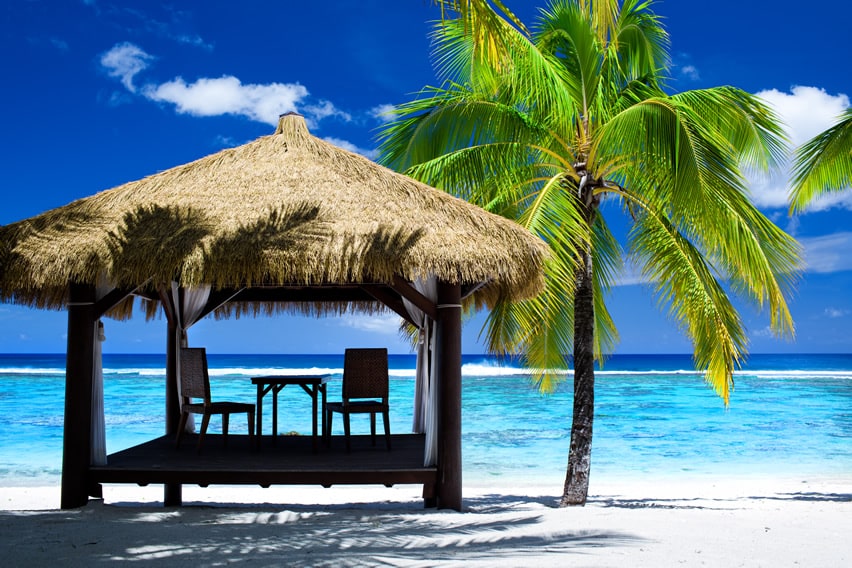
x=824 y=164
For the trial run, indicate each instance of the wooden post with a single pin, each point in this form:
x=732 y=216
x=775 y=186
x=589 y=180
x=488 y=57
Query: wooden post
x=448 y=355
x=79 y=370
x=172 y=492
x=172 y=402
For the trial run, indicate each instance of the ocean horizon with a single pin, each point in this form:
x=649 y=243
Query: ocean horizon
x=789 y=415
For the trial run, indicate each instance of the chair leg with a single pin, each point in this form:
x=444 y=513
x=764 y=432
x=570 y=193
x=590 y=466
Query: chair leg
x=346 y=431
x=326 y=427
x=204 y=423
x=373 y=428
x=386 y=420
x=226 y=418
x=181 y=427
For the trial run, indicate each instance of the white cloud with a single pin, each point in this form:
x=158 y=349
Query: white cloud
x=763 y=332
x=176 y=24
x=842 y=200
x=226 y=141
x=386 y=324
x=346 y=145
x=828 y=253
x=835 y=313
x=124 y=61
x=383 y=113
x=52 y=42
x=806 y=111
x=193 y=40
x=59 y=44
x=325 y=109
x=631 y=277
x=227 y=95
x=220 y=96
x=118 y=98
x=690 y=72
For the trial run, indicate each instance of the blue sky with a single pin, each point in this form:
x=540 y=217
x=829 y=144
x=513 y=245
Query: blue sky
x=97 y=93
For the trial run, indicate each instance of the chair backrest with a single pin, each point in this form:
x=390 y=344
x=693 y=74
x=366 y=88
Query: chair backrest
x=194 y=381
x=365 y=373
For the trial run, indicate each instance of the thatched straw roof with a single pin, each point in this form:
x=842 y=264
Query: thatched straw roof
x=284 y=209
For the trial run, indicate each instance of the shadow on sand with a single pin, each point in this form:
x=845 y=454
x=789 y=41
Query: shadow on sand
x=507 y=529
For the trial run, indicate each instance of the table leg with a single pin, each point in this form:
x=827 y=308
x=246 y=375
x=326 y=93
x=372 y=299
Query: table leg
x=275 y=415
x=259 y=415
x=322 y=416
x=314 y=416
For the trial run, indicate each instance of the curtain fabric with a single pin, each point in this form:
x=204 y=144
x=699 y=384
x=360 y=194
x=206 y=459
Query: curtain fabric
x=425 y=393
x=98 y=446
x=188 y=305
x=97 y=439
x=421 y=376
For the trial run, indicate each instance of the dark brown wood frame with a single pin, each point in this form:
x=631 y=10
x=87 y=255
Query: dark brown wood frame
x=80 y=480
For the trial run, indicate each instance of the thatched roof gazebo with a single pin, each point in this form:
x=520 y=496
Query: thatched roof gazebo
x=286 y=222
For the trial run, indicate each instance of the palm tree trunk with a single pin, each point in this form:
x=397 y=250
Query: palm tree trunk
x=580 y=456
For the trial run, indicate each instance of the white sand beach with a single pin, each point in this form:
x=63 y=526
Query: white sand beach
x=664 y=522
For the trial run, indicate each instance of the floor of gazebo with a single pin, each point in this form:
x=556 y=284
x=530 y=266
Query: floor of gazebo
x=291 y=461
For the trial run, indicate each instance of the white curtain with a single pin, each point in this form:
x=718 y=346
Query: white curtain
x=430 y=454
x=425 y=395
x=187 y=313
x=421 y=374
x=98 y=455
x=98 y=436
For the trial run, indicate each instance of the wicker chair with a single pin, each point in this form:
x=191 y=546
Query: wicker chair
x=365 y=390
x=195 y=383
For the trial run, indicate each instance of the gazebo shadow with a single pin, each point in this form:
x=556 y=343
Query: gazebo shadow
x=341 y=535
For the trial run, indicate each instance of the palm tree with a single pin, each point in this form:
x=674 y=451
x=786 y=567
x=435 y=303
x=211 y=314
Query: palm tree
x=573 y=128
x=824 y=164
x=482 y=23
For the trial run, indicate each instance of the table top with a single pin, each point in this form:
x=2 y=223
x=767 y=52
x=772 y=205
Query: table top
x=291 y=380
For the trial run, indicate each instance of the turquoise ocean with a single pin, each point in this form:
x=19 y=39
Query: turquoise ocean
x=790 y=415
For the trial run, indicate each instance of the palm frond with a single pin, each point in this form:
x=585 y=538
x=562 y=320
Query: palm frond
x=608 y=264
x=683 y=155
x=490 y=33
x=639 y=43
x=547 y=322
x=750 y=127
x=565 y=31
x=823 y=165
x=696 y=300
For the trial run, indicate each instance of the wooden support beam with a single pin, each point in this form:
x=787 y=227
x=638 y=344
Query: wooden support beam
x=218 y=298
x=386 y=297
x=407 y=291
x=470 y=289
x=109 y=301
x=345 y=293
x=448 y=366
x=79 y=371
x=172 y=401
x=172 y=492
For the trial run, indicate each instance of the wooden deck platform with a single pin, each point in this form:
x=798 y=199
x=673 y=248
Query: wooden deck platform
x=291 y=461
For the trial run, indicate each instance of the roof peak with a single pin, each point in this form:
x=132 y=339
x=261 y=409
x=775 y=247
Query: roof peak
x=291 y=121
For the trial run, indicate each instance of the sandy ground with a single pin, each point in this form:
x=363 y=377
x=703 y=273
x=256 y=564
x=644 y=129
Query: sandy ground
x=725 y=523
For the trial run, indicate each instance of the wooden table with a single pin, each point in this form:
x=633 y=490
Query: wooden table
x=313 y=385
